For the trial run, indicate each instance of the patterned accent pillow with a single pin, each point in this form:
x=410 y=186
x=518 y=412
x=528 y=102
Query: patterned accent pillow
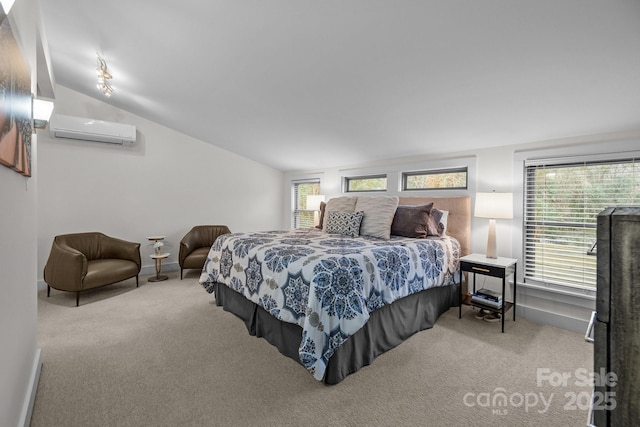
x=378 y=215
x=339 y=204
x=345 y=223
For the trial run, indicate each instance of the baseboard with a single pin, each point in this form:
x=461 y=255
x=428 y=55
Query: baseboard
x=30 y=398
x=149 y=270
x=554 y=319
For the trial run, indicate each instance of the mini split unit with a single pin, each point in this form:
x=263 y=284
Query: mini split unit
x=61 y=126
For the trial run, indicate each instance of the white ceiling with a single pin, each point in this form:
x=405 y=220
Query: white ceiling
x=302 y=84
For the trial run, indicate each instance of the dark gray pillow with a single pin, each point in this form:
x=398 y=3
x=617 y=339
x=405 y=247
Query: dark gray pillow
x=435 y=227
x=323 y=205
x=412 y=221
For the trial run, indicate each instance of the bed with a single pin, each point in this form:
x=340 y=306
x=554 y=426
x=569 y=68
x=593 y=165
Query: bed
x=334 y=302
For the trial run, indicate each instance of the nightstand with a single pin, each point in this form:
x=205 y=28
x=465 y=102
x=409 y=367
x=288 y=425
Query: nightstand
x=495 y=267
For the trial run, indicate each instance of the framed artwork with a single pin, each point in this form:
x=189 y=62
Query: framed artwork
x=15 y=103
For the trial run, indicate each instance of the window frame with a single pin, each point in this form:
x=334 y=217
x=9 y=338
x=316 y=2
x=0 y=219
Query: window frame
x=406 y=175
x=586 y=223
x=294 y=212
x=347 y=179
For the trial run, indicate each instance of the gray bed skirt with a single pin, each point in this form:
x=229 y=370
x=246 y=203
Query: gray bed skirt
x=387 y=327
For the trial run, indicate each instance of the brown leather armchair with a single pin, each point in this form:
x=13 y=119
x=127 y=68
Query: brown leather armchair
x=195 y=245
x=83 y=261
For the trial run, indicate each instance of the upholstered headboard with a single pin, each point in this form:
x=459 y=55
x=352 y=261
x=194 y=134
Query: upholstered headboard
x=459 y=221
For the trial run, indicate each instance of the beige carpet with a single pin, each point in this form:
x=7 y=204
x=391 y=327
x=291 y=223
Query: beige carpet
x=164 y=355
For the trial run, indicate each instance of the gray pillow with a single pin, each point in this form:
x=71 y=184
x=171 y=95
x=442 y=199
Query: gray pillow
x=378 y=215
x=339 y=204
x=412 y=221
x=434 y=225
x=323 y=205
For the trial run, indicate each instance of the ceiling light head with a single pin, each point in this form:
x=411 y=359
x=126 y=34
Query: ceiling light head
x=103 y=76
x=107 y=90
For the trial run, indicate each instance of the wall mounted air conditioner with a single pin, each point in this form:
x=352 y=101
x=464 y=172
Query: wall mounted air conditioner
x=61 y=126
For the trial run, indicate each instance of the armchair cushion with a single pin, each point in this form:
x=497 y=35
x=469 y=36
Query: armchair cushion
x=197 y=258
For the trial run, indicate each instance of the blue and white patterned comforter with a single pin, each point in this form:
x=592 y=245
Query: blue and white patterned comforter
x=326 y=283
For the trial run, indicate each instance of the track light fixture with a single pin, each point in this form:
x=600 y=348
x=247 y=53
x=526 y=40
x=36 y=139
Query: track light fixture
x=103 y=77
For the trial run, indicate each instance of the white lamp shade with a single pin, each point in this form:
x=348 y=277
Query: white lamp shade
x=313 y=202
x=494 y=205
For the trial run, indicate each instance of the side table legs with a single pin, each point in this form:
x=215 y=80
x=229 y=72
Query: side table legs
x=158 y=277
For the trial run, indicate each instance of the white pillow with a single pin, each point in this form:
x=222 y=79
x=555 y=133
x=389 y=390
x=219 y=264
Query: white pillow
x=378 y=215
x=339 y=204
x=443 y=221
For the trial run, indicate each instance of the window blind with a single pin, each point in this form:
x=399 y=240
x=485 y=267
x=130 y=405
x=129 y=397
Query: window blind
x=561 y=204
x=301 y=216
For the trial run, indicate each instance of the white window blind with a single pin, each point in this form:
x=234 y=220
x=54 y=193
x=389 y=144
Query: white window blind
x=561 y=204
x=301 y=216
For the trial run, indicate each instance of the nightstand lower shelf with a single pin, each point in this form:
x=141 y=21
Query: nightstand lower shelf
x=507 y=306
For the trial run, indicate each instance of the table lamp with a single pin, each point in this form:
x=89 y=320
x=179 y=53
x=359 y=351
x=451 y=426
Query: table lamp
x=493 y=206
x=313 y=204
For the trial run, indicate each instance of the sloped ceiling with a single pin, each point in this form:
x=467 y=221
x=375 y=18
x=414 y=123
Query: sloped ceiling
x=301 y=84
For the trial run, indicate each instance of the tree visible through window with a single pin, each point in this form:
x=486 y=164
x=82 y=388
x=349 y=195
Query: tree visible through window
x=561 y=205
x=366 y=183
x=435 y=180
x=302 y=217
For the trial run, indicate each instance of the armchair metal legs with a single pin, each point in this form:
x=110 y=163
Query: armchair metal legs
x=78 y=292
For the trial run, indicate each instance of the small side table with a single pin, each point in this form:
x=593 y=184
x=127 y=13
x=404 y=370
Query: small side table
x=158 y=259
x=496 y=267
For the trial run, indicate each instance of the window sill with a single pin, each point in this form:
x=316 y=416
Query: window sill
x=574 y=296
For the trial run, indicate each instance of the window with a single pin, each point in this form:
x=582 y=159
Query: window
x=561 y=204
x=365 y=183
x=302 y=217
x=435 y=180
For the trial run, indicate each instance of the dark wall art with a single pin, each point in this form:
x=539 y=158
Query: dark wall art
x=15 y=103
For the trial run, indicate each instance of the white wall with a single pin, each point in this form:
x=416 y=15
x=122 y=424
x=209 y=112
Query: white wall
x=495 y=169
x=163 y=185
x=19 y=355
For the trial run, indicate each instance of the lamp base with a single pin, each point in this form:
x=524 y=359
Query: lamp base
x=491 y=240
